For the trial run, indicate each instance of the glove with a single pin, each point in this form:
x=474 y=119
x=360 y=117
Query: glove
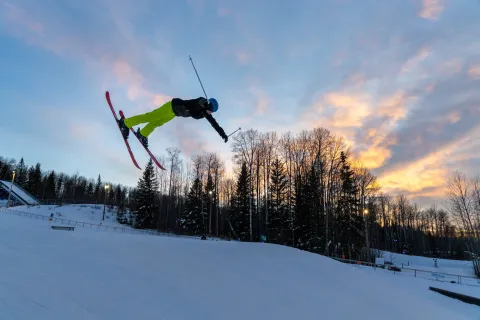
x=225 y=138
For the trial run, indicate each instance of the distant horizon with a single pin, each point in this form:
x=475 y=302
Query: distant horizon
x=398 y=80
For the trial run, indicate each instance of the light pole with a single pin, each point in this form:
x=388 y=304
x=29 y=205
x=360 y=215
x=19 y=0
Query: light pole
x=105 y=201
x=365 y=211
x=10 y=192
x=210 y=214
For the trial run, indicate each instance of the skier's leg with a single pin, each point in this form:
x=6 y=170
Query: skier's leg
x=154 y=115
x=160 y=119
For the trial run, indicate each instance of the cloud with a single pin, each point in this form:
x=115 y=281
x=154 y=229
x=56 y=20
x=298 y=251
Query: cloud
x=427 y=176
x=431 y=9
x=243 y=57
x=474 y=71
x=262 y=102
x=20 y=17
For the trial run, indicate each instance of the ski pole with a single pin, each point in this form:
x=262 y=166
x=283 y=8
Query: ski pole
x=198 y=76
x=234 y=132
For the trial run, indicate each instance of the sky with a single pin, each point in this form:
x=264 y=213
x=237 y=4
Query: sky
x=398 y=79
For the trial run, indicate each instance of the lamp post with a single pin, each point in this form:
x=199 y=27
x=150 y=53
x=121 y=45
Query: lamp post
x=365 y=211
x=105 y=201
x=10 y=192
x=210 y=214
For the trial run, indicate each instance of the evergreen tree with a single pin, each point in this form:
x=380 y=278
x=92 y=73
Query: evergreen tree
x=90 y=192
x=309 y=226
x=277 y=205
x=97 y=192
x=6 y=170
x=50 y=192
x=34 y=181
x=192 y=220
x=21 y=174
x=349 y=222
x=240 y=215
x=145 y=198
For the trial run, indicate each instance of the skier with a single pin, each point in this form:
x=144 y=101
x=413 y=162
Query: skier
x=196 y=108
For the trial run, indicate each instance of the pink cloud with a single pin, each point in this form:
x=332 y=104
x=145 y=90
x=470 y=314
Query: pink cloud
x=262 y=101
x=474 y=71
x=243 y=57
x=431 y=9
x=20 y=17
x=224 y=12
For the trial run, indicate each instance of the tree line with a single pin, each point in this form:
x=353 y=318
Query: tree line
x=303 y=190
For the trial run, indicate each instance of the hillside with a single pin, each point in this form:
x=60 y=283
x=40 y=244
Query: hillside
x=86 y=274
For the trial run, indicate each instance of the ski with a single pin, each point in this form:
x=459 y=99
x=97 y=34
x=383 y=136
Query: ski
x=107 y=95
x=146 y=149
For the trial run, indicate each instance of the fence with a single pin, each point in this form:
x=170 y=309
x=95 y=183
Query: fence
x=92 y=225
x=424 y=274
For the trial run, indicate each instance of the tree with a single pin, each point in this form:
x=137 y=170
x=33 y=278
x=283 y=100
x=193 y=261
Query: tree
x=50 y=187
x=97 y=192
x=278 y=221
x=21 y=174
x=240 y=216
x=349 y=224
x=192 y=221
x=145 y=197
x=34 y=180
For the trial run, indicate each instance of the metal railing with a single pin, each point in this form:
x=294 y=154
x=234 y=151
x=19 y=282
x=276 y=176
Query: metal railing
x=424 y=274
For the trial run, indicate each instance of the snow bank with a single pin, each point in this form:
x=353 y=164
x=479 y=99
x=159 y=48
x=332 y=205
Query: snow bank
x=86 y=274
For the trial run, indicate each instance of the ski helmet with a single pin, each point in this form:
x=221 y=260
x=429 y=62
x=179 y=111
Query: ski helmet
x=214 y=104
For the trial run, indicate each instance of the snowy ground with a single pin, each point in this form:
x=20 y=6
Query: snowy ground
x=455 y=267
x=87 y=274
x=88 y=213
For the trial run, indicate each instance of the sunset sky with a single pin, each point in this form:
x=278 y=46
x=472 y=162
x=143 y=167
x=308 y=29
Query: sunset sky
x=399 y=79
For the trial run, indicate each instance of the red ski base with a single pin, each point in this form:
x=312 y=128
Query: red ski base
x=107 y=95
x=146 y=149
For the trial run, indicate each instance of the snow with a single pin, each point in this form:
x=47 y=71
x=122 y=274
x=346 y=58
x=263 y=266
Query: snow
x=22 y=194
x=87 y=274
x=454 y=267
x=88 y=213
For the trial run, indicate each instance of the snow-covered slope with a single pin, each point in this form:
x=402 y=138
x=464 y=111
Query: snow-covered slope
x=456 y=267
x=86 y=274
x=22 y=195
x=88 y=213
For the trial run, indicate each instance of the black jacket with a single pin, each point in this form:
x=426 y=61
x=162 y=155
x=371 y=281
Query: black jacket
x=197 y=109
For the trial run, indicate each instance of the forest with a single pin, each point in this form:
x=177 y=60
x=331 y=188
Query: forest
x=303 y=190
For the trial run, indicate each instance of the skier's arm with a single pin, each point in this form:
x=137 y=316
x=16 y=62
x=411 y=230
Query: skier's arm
x=215 y=125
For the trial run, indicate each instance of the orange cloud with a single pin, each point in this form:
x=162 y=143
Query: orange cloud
x=374 y=157
x=474 y=71
x=430 y=172
x=350 y=109
x=393 y=106
x=431 y=9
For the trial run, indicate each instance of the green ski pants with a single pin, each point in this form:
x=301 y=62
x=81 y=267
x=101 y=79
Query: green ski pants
x=154 y=119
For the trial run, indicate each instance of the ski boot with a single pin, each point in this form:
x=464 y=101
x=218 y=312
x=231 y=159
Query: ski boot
x=143 y=139
x=125 y=130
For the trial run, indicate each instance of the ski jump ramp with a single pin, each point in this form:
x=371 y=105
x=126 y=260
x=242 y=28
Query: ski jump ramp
x=18 y=193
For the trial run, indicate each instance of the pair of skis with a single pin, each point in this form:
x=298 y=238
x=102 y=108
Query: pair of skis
x=107 y=95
